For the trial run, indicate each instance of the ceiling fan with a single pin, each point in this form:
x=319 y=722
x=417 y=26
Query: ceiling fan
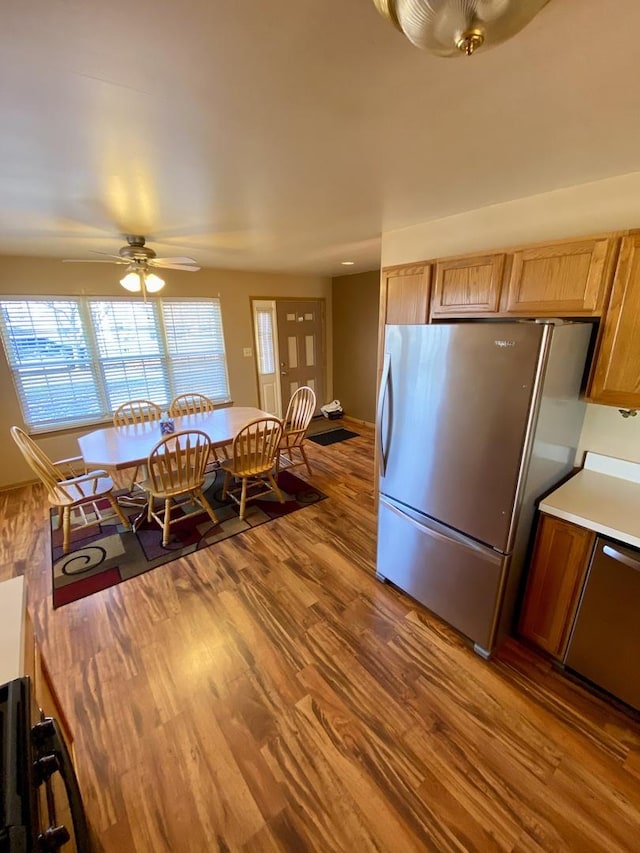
x=141 y=261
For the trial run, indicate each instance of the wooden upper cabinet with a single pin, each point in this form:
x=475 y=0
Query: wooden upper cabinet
x=405 y=294
x=616 y=376
x=468 y=285
x=558 y=567
x=562 y=280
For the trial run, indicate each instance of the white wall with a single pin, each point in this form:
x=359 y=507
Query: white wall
x=607 y=205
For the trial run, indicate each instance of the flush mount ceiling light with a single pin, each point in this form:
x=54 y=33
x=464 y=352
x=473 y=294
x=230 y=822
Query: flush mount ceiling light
x=458 y=27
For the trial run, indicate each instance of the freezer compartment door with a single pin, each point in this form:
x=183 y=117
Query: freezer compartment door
x=455 y=577
x=454 y=408
x=605 y=642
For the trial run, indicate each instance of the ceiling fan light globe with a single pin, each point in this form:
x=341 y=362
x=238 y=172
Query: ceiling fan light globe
x=131 y=282
x=153 y=283
x=459 y=27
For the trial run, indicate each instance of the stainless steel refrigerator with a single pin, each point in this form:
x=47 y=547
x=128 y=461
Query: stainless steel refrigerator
x=475 y=421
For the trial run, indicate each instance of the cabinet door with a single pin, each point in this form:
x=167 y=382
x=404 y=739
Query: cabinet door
x=616 y=377
x=469 y=285
x=556 y=575
x=565 y=279
x=404 y=294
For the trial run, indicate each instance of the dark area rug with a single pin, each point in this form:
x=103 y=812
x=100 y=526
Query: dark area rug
x=332 y=436
x=106 y=554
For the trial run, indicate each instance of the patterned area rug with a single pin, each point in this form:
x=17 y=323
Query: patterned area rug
x=106 y=554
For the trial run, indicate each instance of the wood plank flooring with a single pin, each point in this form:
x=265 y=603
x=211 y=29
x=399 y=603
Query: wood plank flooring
x=268 y=694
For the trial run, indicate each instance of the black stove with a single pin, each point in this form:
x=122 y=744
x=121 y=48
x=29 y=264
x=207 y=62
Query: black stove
x=40 y=804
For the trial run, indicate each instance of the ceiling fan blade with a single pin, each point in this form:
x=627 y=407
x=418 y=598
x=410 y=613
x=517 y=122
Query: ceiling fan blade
x=156 y=261
x=176 y=267
x=107 y=255
x=89 y=261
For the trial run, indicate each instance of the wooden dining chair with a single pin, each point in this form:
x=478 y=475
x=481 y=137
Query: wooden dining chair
x=136 y=412
x=193 y=404
x=190 y=404
x=252 y=462
x=128 y=414
x=75 y=496
x=176 y=469
x=300 y=410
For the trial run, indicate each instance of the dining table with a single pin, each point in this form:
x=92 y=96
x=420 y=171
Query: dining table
x=127 y=446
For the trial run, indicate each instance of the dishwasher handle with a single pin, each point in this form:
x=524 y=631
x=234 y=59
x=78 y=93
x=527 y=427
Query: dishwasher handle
x=612 y=552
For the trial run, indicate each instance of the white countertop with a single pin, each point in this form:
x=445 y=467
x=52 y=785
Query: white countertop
x=12 y=627
x=604 y=496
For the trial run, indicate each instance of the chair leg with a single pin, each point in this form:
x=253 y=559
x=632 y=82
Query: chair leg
x=243 y=497
x=66 y=529
x=205 y=505
x=118 y=511
x=150 y=507
x=166 y=523
x=227 y=481
x=306 y=461
x=275 y=487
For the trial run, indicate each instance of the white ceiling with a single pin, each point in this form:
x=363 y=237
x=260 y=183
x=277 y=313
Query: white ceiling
x=287 y=135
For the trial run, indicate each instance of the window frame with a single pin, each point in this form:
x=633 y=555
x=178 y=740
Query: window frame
x=95 y=362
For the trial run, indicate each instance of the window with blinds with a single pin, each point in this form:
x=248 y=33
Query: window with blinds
x=266 y=349
x=74 y=361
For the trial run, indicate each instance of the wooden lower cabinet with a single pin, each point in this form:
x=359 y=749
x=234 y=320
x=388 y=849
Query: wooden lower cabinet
x=556 y=575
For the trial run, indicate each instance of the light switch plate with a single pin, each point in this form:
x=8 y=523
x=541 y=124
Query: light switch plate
x=247 y=352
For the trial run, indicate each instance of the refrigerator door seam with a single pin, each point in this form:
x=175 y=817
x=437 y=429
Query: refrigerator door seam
x=529 y=434
x=459 y=539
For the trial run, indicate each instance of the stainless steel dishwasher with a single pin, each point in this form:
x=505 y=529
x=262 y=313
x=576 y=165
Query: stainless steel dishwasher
x=605 y=642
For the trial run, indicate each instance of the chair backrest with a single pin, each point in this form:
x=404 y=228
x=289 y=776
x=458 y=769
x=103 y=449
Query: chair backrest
x=136 y=412
x=300 y=410
x=255 y=447
x=190 y=404
x=178 y=461
x=41 y=465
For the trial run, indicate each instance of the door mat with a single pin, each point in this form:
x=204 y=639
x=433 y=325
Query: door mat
x=332 y=436
x=106 y=554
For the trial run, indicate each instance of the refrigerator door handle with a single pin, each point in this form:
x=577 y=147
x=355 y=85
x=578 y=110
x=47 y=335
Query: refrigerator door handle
x=451 y=535
x=627 y=561
x=382 y=398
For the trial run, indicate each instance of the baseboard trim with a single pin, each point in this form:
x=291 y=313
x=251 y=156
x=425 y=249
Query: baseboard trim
x=358 y=421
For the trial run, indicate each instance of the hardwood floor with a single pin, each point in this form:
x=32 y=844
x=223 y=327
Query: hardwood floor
x=268 y=694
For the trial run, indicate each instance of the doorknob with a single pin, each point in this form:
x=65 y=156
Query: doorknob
x=283 y=366
x=283 y=372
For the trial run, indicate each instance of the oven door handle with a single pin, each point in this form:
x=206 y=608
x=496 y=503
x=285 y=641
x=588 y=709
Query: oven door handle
x=55 y=743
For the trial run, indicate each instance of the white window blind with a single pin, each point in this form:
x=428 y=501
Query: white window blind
x=74 y=361
x=195 y=348
x=266 y=349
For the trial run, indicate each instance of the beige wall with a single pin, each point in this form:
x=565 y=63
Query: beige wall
x=355 y=342
x=604 y=205
x=38 y=276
